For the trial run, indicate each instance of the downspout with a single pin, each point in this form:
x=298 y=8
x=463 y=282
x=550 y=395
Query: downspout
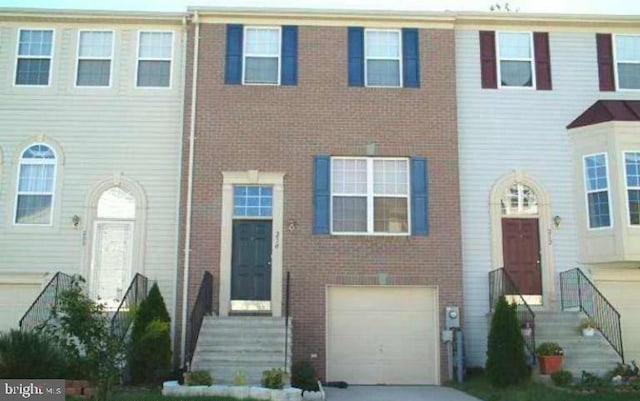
x=187 y=229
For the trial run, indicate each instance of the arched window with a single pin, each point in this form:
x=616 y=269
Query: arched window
x=36 y=185
x=519 y=199
x=116 y=203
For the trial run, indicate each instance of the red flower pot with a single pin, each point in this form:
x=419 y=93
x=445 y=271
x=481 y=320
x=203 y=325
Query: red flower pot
x=550 y=363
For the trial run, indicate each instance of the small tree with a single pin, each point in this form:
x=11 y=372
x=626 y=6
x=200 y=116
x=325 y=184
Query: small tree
x=506 y=358
x=150 y=348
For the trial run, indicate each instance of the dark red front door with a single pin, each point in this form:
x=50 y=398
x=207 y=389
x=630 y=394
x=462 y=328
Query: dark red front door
x=521 y=253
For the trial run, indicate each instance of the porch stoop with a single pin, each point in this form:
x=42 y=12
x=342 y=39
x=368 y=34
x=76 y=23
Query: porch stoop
x=592 y=354
x=252 y=344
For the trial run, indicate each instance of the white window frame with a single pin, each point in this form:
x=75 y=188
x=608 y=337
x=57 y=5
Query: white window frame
x=531 y=60
x=170 y=59
x=370 y=196
x=587 y=191
x=110 y=59
x=245 y=54
x=53 y=185
x=616 y=60
x=18 y=57
x=399 y=58
x=627 y=187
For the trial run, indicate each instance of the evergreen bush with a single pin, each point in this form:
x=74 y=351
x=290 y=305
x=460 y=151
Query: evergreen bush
x=150 y=347
x=506 y=358
x=303 y=376
x=30 y=355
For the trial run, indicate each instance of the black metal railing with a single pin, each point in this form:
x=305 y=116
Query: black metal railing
x=202 y=307
x=578 y=292
x=501 y=284
x=40 y=311
x=124 y=315
x=287 y=287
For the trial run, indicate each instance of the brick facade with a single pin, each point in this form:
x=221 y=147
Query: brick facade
x=281 y=128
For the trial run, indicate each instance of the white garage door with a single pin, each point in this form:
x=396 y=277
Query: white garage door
x=14 y=301
x=625 y=297
x=382 y=335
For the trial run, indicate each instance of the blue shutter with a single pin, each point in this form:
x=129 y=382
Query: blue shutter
x=321 y=194
x=419 y=196
x=356 y=56
x=289 y=55
x=410 y=58
x=233 y=66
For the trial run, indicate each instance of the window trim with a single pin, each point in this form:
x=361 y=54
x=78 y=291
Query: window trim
x=370 y=196
x=532 y=60
x=110 y=59
x=399 y=58
x=53 y=186
x=627 y=188
x=614 y=47
x=18 y=57
x=587 y=192
x=170 y=60
x=245 y=54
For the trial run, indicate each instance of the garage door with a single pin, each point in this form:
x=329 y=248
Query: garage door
x=382 y=335
x=624 y=296
x=14 y=301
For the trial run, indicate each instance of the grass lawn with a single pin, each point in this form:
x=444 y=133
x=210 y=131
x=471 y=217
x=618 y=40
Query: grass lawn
x=142 y=394
x=480 y=387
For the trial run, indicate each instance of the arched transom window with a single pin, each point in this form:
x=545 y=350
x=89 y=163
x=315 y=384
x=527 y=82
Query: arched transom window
x=519 y=199
x=116 y=203
x=36 y=185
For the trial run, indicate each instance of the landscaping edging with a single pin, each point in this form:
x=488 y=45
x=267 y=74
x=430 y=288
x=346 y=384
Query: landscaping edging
x=172 y=388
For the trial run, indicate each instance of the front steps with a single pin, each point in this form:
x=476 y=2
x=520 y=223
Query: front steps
x=592 y=354
x=251 y=344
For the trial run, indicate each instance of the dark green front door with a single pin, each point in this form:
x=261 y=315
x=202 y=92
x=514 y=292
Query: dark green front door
x=251 y=260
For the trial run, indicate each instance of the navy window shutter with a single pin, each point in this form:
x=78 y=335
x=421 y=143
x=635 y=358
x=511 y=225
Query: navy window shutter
x=321 y=194
x=289 y=55
x=419 y=196
x=356 y=56
x=410 y=58
x=233 y=65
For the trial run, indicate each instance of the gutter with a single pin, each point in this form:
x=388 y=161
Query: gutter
x=189 y=212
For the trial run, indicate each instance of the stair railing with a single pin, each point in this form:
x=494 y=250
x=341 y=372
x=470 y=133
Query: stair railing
x=577 y=291
x=133 y=297
x=501 y=284
x=286 y=322
x=202 y=307
x=42 y=307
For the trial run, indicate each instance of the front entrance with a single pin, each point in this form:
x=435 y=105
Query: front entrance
x=521 y=255
x=251 y=264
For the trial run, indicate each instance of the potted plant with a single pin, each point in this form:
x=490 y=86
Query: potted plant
x=588 y=327
x=550 y=357
x=526 y=328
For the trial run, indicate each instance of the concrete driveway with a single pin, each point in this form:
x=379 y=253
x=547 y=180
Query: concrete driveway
x=396 y=393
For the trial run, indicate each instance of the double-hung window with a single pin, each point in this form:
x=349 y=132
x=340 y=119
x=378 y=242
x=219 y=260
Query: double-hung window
x=383 y=55
x=262 y=55
x=632 y=175
x=596 y=178
x=35 y=50
x=515 y=55
x=36 y=186
x=369 y=195
x=155 y=51
x=95 y=51
x=627 y=49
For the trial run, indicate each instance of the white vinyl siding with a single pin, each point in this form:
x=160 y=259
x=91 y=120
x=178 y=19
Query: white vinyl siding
x=34 y=57
x=155 y=54
x=515 y=59
x=95 y=52
x=383 y=58
x=627 y=56
x=261 y=55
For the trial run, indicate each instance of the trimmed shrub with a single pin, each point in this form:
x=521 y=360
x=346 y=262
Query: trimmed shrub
x=506 y=358
x=30 y=355
x=150 y=347
x=199 y=378
x=562 y=378
x=303 y=376
x=273 y=379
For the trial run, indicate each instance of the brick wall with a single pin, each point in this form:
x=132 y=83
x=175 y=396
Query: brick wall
x=271 y=128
